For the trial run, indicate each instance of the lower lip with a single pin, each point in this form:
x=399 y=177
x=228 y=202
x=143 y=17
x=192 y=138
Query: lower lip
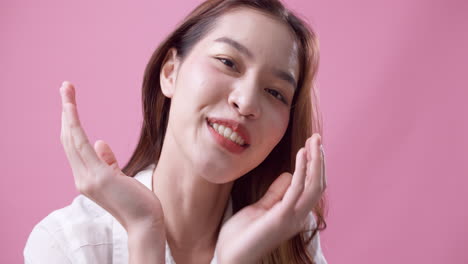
x=224 y=142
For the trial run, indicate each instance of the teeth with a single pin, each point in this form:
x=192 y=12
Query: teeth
x=228 y=133
x=233 y=137
x=221 y=129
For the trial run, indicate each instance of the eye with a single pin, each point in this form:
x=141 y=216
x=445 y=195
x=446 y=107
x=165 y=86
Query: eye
x=227 y=62
x=276 y=94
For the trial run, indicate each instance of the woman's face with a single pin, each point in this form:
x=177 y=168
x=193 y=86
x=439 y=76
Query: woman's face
x=242 y=76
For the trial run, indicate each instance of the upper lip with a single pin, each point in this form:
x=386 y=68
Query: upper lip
x=237 y=127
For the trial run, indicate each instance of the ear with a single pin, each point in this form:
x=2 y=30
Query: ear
x=168 y=74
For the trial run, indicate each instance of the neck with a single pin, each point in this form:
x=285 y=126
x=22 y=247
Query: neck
x=193 y=207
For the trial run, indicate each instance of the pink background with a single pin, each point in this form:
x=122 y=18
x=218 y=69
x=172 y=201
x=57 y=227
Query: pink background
x=393 y=80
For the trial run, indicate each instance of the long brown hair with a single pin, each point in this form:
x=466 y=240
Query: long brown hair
x=305 y=117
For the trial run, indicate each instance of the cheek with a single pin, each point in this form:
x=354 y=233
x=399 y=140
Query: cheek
x=203 y=83
x=276 y=123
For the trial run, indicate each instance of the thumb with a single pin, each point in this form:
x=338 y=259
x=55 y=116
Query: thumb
x=276 y=191
x=105 y=153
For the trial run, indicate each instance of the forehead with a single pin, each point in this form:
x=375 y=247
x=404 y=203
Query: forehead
x=270 y=41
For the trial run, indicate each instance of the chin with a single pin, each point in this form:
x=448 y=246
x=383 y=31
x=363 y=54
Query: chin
x=218 y=170
x=221 y=176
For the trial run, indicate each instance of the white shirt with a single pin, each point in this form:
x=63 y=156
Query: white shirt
x=83 y=232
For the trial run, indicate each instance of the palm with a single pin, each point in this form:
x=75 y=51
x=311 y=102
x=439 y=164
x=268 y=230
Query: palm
x=248 y=227
x=98 y=176
x=280 y=214
x=127 y=199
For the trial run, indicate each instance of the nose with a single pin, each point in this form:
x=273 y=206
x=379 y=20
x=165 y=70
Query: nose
x=245 y=101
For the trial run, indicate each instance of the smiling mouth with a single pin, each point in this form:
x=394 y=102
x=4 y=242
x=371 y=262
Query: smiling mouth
x=229 y=134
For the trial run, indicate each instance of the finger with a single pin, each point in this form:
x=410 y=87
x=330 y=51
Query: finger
x=276 y=191
x=314 y=183
x=75 y=161
x=315 y=165
x=70 y=152
x=309 y=152
x=68 y=93
x=297 y=186
x=307 y=146
x=78 y=136
x=324 y=175
x=105 y=153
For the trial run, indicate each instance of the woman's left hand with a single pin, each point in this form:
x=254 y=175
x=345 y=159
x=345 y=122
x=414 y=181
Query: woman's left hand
x=280 y=214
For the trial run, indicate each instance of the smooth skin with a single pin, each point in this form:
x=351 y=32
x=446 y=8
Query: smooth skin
x=194 y=175
x=280 y=214
x=253 y=231
x=98 y=176
x=248 y=235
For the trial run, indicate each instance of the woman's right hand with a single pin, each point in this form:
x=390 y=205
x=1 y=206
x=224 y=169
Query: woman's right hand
x=98 y=176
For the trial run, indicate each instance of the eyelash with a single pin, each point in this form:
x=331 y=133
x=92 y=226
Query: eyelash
x=273 y=92
x=281 y=97
x=224 y=59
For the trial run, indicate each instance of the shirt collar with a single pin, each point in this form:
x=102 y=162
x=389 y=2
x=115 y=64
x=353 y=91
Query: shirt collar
x=119 y=234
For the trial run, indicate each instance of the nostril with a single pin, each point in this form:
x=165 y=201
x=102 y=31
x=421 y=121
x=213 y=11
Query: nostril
x=236 y=105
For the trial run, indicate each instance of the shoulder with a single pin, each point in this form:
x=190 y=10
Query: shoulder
x=314 y=247
x=63 y=234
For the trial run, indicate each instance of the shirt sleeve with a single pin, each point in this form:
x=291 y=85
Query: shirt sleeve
x=42 y=247
x=314 y=246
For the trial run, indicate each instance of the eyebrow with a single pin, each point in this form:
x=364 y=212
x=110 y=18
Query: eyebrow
x=242 y=49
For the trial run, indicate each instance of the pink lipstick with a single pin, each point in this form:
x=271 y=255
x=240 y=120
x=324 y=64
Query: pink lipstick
x=226 y=143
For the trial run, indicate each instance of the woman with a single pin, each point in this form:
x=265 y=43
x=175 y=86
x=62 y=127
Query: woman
x=227 y=115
